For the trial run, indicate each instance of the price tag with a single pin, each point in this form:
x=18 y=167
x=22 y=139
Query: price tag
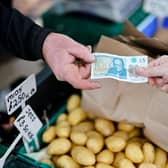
x=28 y=123
x=20 y=94
x=156 y=7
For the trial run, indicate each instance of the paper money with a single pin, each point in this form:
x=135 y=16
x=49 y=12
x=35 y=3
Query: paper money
x=121 y=68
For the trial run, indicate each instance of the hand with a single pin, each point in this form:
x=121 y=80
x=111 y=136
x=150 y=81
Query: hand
x=157 y=72
x=61 y=52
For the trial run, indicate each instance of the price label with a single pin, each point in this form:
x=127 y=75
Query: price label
x=28 y=123
x=156 y=7
x=20 y=94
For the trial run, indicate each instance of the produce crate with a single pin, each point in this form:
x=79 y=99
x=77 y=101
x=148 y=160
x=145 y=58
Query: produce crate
x=84 y=28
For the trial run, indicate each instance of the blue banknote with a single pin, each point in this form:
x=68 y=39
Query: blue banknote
x=118 y=67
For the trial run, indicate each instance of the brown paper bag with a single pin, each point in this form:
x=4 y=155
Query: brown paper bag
x=135 y=103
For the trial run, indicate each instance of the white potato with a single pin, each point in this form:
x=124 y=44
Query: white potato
x=47 y=161
x=103 y=165
x=117 y=158
x=105 y=156
x=83 y=126
x=121 y=134
x=76 y=116
x=126 y=163
x=59 y=146
x=78 y=138
x=63 y=129
x=147 y=165
x=160 y=158
x=149 y=152
x=49 y=134
x=115 y=143
x=134 y=153
x=62 y=117
x=83 y=156
x=73 y=102
x=135 y=133
x=66 y=161
x=105 y=127
x=126 y=127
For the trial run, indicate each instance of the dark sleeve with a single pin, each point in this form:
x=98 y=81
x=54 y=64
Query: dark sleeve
x=21 y=36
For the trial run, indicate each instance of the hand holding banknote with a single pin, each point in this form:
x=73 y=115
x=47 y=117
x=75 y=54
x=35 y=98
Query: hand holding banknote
x=157 y=72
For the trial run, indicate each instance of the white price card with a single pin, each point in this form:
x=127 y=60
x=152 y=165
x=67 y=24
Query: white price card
x=156 y=7
x=28 y=123
x=20 y=94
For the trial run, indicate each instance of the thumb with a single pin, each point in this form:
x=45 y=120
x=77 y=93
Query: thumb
x=150 y=71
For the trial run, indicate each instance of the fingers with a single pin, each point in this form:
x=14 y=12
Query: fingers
x=83 y=53
x=85 y=71
x=150 y=71
x=73 y=77
x=165 y=88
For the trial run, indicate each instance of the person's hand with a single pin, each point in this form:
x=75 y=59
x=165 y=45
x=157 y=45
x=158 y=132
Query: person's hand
x=61 y=52
x=157 y=72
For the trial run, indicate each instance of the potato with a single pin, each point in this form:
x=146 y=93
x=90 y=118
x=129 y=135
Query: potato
x=63 y=129
x=47 y=161
x=66 y=161
x=149 y=152
x=137 y=140
x=83 y=156
x=121 y=134
x=118 y=157
x=89 y=167
x=147 y=165
x=59 y=146
x=115 y=143
x=62 y=117
x=160 y=158
x=76 y=116
x=134 y=133
x=49 y=134
x=105 y=127
x=95 y=141
x=55 y=158
x=134 y=153
x=105 y=156
x=126 y=127
x=166 y=165
x=126 y=163
x=78 y=138
x=103 y=165
x=84 y=126
x=73 y=102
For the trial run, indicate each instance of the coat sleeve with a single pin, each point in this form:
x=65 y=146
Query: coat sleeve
x=20 y=36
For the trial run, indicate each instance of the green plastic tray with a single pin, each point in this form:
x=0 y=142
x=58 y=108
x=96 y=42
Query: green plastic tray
x=87 y=29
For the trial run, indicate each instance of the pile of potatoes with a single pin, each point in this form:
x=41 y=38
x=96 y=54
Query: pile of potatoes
x=79 y=139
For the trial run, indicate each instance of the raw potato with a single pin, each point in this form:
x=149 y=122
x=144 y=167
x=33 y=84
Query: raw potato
x=83 y=156
x=55 y=158
x=78 y=138
x=62 y=117
x=137 y=140
x=134 y=133
x=84 y=127
x=47 y=161
x=121 y=134
x=105 y=127
x=126 y=163
x=103 y=165
x=73 y=102
x=76 y=116
x=125 y=127
x=149 y=152
x=59 y=146
x=105 y=156
x=49 y=134
x=147 y=165
x=134 y=153
x=166 y=165
x=66 y=161
x=89 y=167
x=115 y=144
x=95 y=141
x=63 y=129
x=160 y=158
x=118 y=157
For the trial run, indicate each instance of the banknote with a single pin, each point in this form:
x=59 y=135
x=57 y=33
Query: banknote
x=122 y=68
